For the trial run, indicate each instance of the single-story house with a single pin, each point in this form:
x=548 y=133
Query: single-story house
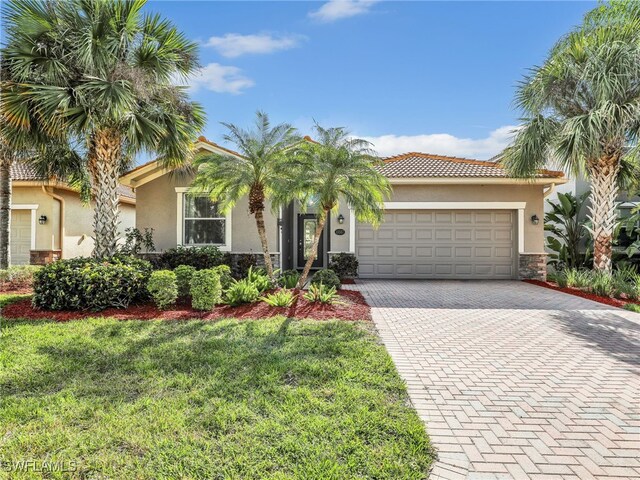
x=447 y=218
x=49 y=221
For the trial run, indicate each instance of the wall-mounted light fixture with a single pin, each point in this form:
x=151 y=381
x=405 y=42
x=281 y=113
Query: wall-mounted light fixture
x=42 y=220
x=340 y=219
x=534 y=219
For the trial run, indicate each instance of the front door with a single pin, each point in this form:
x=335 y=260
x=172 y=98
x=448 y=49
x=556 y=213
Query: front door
x=306 y=230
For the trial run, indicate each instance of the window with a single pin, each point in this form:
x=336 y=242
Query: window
x=203 y=224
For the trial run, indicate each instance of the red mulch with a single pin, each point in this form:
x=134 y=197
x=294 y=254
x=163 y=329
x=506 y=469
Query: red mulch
x=612 y=302
x=348 y=281
x=351 y=306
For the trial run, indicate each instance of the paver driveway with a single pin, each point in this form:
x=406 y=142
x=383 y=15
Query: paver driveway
x=514 y=380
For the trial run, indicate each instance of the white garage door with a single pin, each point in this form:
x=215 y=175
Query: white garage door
x=439 y=244
x=20 y=237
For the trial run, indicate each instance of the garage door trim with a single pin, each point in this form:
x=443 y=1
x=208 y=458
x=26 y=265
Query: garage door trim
x=33 y=207
x=519 y=206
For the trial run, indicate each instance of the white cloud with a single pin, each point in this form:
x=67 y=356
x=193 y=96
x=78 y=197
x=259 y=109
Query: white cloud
x=233 y=44
x=220 y=79
x=445 y=144
x=338 y=9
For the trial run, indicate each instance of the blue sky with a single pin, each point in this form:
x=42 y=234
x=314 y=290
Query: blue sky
x=428 y=76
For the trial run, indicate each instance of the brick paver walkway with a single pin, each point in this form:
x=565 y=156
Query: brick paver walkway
x=514 y=380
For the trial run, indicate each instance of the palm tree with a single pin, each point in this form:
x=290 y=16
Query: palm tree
x=582 y=108
x=337 y=168
x=100 y=76
x=259 y=171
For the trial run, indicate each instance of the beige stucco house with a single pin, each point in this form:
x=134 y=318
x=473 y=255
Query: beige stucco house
x=49 y=221
x=447 y=218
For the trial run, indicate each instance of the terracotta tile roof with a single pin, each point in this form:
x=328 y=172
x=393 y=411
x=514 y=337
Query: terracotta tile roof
x=25 y=172
x=417 y=165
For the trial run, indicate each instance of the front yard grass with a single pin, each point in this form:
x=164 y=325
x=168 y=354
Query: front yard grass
x=233 y=399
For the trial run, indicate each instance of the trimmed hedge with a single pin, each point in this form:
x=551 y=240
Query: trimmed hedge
x=326 y=277
x=344 y=264
x=206 y=290
x=163 y=288
x=184 y=273
x=91 y=284
x=197 y=257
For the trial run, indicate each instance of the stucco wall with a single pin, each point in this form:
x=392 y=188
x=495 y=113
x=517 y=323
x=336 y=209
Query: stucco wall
x=78 y=225
x=531 y=194
x=78 y=219
x=157 y=209
x=47 y=237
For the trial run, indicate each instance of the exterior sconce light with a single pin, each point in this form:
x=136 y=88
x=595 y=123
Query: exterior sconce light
x=534 y=219
x=340 y=219
x=42 y=220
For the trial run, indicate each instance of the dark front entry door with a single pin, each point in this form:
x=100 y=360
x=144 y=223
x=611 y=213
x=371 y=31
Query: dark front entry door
x=306 y=230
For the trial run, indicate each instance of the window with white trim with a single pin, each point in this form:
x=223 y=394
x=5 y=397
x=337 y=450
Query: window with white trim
x=203 y=223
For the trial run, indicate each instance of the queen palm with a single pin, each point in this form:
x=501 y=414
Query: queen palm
x=259 y=171
x=337 y=168
x=100 y=76
x=582 y=109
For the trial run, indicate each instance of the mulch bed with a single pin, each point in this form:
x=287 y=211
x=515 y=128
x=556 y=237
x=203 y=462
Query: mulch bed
x=350 y=306
x=612 y=302
x=16 y=291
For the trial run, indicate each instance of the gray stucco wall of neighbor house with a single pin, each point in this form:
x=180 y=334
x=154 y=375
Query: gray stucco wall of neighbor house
x=157 y=209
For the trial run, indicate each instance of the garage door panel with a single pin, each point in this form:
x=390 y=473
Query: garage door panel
x=20 y=241
x=439 y=244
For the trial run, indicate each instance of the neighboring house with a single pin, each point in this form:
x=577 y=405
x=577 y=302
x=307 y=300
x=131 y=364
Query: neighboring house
x=580 y=186
x=49 y=221
x=447 y=218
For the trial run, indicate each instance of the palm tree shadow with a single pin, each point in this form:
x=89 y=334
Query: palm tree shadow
x=607 y=332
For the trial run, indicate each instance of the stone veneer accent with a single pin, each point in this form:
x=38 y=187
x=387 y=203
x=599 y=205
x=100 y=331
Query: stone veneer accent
x=42 y=257
x=532 y=266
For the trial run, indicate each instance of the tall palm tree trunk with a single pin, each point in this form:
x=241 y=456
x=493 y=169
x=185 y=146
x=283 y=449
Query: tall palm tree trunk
x=322 y=220
x=604 y=191
x=5 y=213
x=262 y=233
x=104 y=166
x=256 y=207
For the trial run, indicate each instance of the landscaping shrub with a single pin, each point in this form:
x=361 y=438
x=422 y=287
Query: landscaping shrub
x=259 y=278
x=289 y=279
x=574 y=277
x=602 y=283
x=184 y=273
x=345 y=265
x=281 y=298
x=198 y=257
x=632 y=307
x=326 y=277
x=17 y=277
x=241 y=291
x=320 y=293
x=163 y=288
x=243 y=264
x=91 y=284
x=206 y=290
x=135 y=241
x=224 y=271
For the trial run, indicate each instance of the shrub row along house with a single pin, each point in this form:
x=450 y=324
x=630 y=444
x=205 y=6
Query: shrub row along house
x=447 y=218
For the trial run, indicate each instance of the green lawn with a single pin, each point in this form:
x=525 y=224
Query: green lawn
x=191 y=399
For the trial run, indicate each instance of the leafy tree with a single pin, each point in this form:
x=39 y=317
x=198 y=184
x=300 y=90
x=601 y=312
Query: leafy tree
x=568 y=230
x=100 y=77
x=259 y=171
x=333 y=169
x=582 y=108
